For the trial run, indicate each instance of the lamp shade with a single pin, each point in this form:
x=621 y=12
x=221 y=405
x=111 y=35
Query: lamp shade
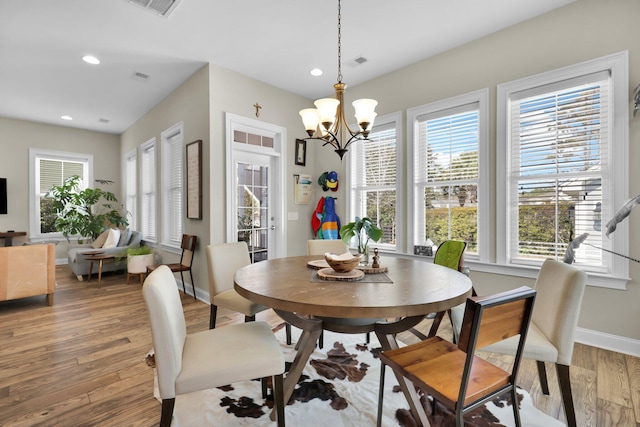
x=327 y=110
x=310 y=119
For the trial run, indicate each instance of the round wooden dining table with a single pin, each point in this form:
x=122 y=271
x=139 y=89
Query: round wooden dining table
x=405 y=293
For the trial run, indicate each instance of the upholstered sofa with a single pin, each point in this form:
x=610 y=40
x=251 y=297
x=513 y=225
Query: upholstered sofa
x=27 y=271
x=80 y=265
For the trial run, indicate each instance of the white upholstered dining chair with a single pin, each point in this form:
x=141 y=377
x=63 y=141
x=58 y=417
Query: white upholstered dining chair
x=320 y=247
x=560 y=289
x=206 y=359
x=223 y=261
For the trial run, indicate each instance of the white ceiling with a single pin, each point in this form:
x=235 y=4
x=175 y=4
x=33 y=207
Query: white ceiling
x=42 y=76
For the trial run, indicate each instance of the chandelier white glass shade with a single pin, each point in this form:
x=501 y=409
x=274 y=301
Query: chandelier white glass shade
x=327 y=121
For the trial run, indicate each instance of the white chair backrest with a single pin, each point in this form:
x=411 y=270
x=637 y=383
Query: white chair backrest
x=320 y=247
x=222 y=262
x=168 y=327
x=560 y=289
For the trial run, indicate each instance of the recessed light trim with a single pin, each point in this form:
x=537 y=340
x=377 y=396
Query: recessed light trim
x=316 y=72
x=65 y=117
x=89 y=59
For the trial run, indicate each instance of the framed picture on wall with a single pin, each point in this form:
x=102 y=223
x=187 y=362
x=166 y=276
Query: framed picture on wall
x=301 y=152
x=194 y=180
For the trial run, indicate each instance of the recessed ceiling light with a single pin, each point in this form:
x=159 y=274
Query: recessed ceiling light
x=91 y=60
x=316 y=72
x=66 y=117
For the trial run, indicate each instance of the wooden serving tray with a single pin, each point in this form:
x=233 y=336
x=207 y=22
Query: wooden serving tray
x=332 y=275
x=367 y=269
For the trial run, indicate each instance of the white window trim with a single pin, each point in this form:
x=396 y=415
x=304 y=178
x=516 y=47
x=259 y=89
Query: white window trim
x=174 y=130
x=351 y=211
x=482 y=98
x=144 y=146
x=34 y=196
x=618 y=65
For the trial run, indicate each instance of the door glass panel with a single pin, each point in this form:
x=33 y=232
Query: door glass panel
x=252 y=208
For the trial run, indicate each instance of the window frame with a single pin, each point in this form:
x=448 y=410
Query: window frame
x=353 y=208
x=168 y=167
x=480 y=97
x=617 y=65
x=148 y=234
x=131 y=182
x=35 y=155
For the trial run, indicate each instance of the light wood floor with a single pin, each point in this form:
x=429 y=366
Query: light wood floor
x=80 y=362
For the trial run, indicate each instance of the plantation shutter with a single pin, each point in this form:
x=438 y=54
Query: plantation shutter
x=559 y=154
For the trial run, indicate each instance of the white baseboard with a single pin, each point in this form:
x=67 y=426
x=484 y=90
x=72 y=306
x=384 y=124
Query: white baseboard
x=608 y=341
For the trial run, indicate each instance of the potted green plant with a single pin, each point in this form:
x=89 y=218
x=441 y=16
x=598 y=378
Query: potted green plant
x=138 y=259
x=363 y=229
x=85 y=213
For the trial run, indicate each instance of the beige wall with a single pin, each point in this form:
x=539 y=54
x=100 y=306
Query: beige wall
x=581 y=31
x=188 y=104
x=18 y=136
x=235 y=93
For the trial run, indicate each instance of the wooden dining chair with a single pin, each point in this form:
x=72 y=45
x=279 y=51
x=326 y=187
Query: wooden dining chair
x=188 y=247
x=212 y=358
x=454 y=375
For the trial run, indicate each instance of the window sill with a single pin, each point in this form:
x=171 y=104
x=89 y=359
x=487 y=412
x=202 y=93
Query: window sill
x=596 y=280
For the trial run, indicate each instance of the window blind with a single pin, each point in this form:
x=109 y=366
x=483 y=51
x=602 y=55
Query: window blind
x=559 y=175
x=447 y=173
x=131 y=189
x=148 y=188
x=172 y=189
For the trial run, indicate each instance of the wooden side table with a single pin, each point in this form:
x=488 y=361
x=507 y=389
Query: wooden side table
x=100 y=258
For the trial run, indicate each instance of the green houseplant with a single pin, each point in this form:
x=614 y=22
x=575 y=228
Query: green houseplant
x=87 y=212
x=363 y=229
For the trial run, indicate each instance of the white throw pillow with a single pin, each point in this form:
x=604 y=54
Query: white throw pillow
x=112 y=239
x=97 y=244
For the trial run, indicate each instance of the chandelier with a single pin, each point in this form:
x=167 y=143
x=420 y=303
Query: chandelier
x=327 y=122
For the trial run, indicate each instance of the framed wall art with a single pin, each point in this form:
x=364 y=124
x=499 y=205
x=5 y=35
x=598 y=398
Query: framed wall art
x=194 y=180
x=301 y=152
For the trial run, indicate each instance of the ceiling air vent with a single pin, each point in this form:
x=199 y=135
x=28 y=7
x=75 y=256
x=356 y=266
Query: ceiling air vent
x=137 y=75
x=357 y=61
x=103 y=120
x=159 y=7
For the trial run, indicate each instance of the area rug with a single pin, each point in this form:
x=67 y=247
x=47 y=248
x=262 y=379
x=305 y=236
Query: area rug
x=338 y=388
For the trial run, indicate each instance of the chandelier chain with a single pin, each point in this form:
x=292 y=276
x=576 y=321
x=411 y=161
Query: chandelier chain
x=339 y=44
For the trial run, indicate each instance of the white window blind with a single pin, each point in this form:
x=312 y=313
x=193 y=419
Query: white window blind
x=131 y=189
x=374 y=179
x=559 y=174
x=49 y=168
x=172 y=200
x=148 y=188
x=447 y=174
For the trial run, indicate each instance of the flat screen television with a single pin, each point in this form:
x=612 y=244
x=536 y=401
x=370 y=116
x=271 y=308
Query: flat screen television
x=3 y=196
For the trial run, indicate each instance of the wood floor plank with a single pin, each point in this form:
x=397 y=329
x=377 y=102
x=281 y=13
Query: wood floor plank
x=633 y=371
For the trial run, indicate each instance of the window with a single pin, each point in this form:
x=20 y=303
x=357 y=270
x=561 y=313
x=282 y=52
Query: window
x=373 y=173
x=449 y=150
x=148 y=189
x=172 y=149
x=50 y=168
x=563 y=174
x=131 y=188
